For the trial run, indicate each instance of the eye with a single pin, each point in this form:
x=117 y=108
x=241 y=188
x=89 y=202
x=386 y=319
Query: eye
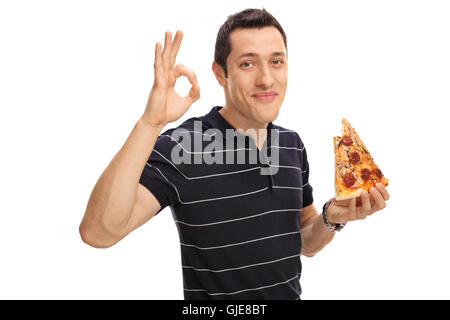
x=245 y=63
x=278 y=60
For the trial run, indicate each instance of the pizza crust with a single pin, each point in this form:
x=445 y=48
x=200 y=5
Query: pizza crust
x=354 y=194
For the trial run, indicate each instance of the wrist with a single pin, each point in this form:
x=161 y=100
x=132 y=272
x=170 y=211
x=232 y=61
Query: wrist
x=330 y=216
x=149 y=125
x=330 y=224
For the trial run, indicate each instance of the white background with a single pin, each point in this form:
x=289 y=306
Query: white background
x=75 y=77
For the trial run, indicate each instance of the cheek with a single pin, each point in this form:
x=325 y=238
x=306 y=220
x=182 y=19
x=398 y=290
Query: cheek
x=282 y=77
x=239 y=87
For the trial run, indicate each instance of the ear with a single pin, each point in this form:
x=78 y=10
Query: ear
x=219 y=73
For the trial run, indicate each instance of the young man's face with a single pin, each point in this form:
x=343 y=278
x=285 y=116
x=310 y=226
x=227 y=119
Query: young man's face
x=256 y=65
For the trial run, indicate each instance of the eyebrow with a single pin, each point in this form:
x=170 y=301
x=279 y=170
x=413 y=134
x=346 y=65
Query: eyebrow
x=252 y=54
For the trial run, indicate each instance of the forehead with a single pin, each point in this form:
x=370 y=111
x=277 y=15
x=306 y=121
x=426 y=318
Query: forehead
x=263 y=41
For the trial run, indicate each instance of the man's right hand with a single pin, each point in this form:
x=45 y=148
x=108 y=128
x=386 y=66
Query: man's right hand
x=164 y=105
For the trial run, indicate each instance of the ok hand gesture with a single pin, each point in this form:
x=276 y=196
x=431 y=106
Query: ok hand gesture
x=164 y=105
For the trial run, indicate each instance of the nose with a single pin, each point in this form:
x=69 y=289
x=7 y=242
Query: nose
x=264 y=77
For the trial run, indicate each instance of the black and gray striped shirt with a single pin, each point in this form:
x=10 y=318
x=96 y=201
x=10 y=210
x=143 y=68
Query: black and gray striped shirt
x=239 y=230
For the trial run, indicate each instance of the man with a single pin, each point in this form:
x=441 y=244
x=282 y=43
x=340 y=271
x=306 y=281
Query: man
x=241 y=231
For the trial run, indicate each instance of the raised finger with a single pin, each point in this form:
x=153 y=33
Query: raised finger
x=158 y=59
x=181 y=69
x=175 y=47
x=378 y=198
x=383 y=191
x=167 y=49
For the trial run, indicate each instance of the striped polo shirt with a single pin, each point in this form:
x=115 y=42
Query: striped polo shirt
x=239 y=229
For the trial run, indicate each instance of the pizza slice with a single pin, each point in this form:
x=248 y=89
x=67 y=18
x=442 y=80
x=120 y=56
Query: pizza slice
x=355 y=170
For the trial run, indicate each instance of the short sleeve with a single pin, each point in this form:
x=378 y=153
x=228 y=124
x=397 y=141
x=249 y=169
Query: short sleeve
x=160 y=176
x=307 y=188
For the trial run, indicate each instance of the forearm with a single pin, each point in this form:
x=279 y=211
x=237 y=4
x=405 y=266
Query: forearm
x=112 y=199
x=315 y=235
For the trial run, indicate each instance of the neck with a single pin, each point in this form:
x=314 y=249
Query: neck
x=240 y=121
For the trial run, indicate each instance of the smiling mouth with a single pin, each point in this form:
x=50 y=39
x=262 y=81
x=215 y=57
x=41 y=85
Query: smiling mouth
x=269 y=93
x=265 y=96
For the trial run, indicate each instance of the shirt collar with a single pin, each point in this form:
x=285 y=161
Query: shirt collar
x=217 y=121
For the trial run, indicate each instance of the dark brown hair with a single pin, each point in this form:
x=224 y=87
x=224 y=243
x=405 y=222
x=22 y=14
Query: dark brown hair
x=248 y=18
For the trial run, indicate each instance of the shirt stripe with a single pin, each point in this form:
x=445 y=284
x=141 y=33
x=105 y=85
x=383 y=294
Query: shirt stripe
x=233 y=220
x=244 y=290
x=244 y=267
x=240 y=243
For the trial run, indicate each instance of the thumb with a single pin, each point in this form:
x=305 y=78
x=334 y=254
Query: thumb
x=193 y=95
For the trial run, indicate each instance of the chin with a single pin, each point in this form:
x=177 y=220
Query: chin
x=268 y=114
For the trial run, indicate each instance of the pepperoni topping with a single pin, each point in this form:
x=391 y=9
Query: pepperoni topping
x=354 y=157
x=377 y=172
x=349 y=179
x=347 y=141
x=365 y=174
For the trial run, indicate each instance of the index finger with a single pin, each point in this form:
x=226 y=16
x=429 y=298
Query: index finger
x=181 y=69
x=175 y=46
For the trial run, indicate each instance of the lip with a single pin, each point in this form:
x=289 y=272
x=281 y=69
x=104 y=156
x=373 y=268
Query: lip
x=265 y=96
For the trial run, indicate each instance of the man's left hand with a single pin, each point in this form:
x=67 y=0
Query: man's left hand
x=342 y=211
